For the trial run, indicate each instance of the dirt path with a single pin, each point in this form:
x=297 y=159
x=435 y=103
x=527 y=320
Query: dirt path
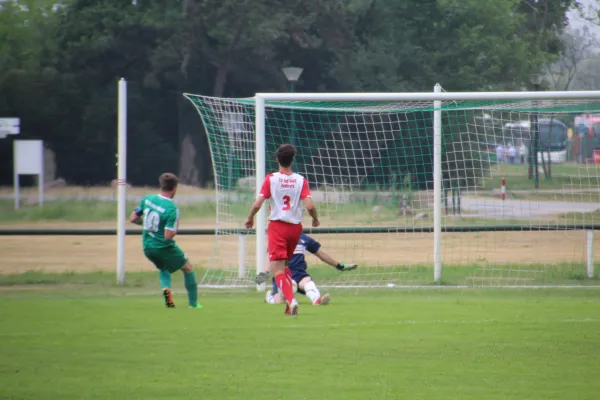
x=91 y=253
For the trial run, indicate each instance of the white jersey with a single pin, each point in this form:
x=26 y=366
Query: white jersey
x=285 y=193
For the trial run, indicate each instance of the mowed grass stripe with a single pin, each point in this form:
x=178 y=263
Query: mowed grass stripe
x=405 y=344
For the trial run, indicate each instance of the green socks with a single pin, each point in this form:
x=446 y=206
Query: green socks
x=190 y=285
x=192 y=288
x=165 y=278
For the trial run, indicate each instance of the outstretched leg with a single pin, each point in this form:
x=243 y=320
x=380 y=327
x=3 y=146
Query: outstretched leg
x=191 y=285
x=312 y=292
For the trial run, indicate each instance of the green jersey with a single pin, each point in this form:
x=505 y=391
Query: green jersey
x=160 y=214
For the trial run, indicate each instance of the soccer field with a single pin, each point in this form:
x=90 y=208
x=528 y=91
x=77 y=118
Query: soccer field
x=96 y=342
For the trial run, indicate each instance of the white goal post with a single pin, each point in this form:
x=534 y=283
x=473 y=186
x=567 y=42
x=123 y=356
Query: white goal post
x=436 y=99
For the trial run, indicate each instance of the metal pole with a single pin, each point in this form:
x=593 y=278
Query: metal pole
x=590 y=254
x=503 y=191
x=536 y=142
x=41 y=179
x=261 y=248
x=437 y=188
x=121 y=179
x=293 y=118
x=17 y=191
x=242 y=256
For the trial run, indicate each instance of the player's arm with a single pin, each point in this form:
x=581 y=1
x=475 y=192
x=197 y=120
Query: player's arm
x=265 y=193
x=172 y=225
x=326 y=258
x=169 y=234
x=314 y=247
x=136 y=215
x=308 y=203
x=312 y=211
x=253 y=210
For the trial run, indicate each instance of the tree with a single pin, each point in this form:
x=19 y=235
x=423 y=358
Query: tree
x=464 y=45
x=577 y=47
x=26 y=75
x=239 y=48
x=59 y=64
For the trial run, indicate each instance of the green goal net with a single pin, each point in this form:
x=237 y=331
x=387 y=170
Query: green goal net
x=520 y=189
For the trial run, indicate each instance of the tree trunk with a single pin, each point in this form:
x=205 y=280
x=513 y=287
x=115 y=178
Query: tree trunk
x=223 y=68
x=188 y=171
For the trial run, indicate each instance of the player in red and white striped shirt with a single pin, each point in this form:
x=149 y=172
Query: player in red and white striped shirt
x=284 y=190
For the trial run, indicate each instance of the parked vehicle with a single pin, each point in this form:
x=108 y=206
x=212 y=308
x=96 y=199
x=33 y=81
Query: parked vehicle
x=589 y=125
x=552 y=134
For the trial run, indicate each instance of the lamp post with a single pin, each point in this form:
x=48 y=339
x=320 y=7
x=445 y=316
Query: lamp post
x=536 y=81
x=292 y=74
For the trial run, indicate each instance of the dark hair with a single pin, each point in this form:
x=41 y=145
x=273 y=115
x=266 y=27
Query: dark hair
x=285 y=155
x=168 y=182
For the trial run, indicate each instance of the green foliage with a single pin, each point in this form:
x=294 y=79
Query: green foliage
x=91 y=211
x=59 y=64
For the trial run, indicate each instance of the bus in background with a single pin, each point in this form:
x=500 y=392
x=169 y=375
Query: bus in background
x=553 y=137
x=587 y=127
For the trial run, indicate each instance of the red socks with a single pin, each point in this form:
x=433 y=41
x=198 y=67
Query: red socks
x=284 y=284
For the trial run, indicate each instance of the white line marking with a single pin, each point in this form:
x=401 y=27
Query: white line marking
x=431 y=287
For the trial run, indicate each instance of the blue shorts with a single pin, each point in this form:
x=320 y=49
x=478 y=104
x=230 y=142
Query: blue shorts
x=297 y=276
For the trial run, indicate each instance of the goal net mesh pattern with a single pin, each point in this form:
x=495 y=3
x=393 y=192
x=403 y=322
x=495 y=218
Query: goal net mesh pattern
x=370 y=169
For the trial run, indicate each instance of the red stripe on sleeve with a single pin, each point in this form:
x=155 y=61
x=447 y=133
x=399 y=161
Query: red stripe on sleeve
x=305 y=190
x=265 y=190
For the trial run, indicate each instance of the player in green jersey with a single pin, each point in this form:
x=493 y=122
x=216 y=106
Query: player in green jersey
x=159 y=216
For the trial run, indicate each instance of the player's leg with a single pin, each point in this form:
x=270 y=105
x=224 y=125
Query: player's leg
x=273 y=296
x=191 y=285
x=292 y=237
x=164 y=275
x=165 y=281
x=278 y=235
x=308 y=286
x=175 y=260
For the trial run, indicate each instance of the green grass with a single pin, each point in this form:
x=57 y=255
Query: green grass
x=84 y=342
x=578 y=197
x=481 y=274
x=103 y=280
x=572 y=176
x=87 y=210
x=581 y=217
x=363 y=215
x=558 y=169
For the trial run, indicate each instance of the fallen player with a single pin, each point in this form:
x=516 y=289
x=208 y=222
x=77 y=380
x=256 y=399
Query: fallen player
x=298 y=269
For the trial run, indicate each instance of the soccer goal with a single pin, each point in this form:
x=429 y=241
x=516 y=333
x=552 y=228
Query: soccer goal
x=475 y=189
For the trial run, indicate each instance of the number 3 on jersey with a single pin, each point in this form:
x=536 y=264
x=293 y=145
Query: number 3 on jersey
x=286 y=203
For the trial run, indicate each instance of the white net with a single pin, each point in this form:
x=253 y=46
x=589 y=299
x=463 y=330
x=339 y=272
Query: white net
x=370 y=166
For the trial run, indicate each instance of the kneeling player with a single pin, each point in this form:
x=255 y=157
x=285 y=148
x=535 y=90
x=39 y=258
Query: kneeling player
x=297 y=266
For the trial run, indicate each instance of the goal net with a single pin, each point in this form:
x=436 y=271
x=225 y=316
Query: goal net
x=370 y=165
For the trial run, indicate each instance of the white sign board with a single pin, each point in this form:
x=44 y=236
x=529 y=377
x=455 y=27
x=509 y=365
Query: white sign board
x=28 y=159
x=9 y=126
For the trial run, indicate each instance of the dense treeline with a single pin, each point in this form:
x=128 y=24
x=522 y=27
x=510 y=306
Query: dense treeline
x=60 y=62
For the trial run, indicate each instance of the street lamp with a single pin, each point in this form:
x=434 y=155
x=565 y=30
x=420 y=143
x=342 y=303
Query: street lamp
x=536 y=81
x=292 y=74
